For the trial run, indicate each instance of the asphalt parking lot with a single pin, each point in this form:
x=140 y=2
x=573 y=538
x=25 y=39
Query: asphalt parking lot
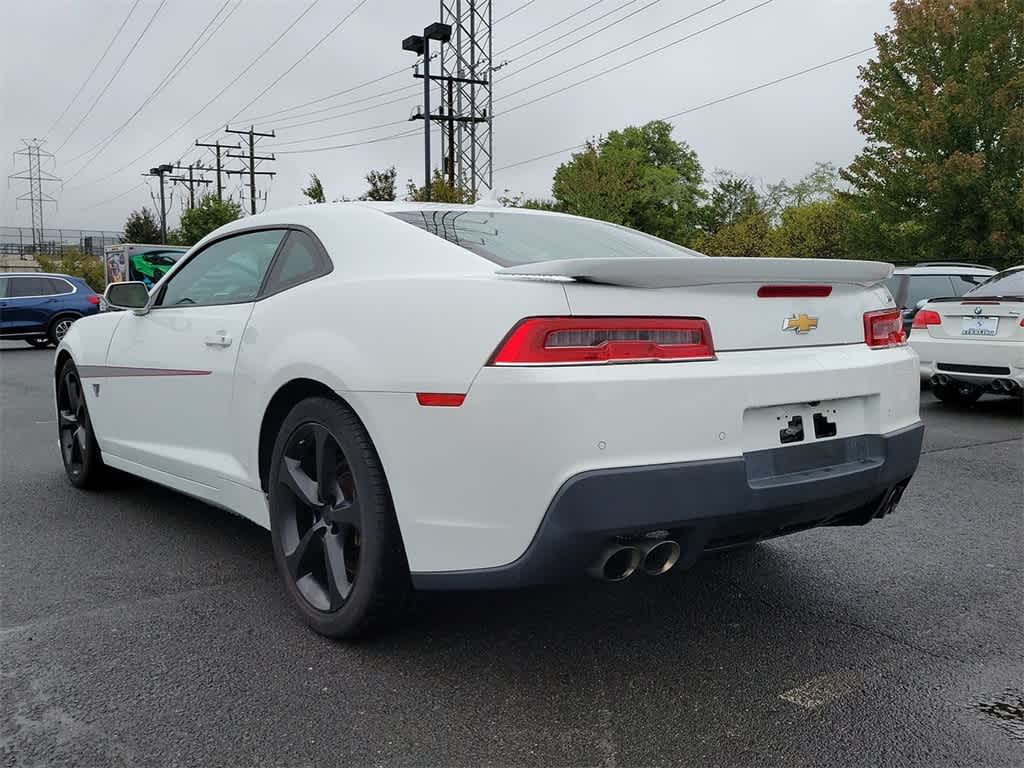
x=141 y=628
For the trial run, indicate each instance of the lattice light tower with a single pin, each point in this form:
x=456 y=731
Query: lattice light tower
x=468 y=144
x=36 y=177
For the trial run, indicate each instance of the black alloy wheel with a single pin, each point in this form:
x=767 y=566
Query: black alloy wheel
x=79 y=450
x=333 y=526
x=320 y=521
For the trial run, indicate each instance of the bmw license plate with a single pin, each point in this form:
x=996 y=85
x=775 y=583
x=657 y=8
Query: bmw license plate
x=979 y=326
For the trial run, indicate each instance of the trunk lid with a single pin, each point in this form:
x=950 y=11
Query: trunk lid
x=978 y=319
x=724 y=291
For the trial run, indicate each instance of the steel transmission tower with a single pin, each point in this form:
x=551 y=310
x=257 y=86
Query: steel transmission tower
x=467 y=59
x=36 y=177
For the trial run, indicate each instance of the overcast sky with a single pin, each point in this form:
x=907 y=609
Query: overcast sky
x=50 y=46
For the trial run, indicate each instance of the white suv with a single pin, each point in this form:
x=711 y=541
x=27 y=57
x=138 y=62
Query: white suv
x=912 y=286
x=974 y=344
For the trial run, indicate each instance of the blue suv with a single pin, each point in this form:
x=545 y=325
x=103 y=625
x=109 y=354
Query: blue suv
x=40 y=307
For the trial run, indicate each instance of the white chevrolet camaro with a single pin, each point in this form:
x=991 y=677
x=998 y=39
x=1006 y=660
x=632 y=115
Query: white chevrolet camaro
x=973 y=344
x=426 y=396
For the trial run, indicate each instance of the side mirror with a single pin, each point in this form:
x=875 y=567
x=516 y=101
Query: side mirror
x=131 y=295
x=922 y=302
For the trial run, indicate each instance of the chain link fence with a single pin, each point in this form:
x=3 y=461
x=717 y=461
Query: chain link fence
x=17 y=242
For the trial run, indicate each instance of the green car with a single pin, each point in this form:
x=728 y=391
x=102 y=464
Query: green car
x=150 y=267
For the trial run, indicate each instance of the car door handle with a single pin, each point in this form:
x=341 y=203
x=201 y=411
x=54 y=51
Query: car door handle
x=219 y=340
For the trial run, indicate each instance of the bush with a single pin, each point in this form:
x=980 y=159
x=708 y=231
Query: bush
x=77 y=264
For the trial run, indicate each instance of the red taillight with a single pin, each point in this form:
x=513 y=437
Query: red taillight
x=93 y=299
x=583 y=340
x=884 y=328
x=927 y=317
x=794 y=291
x=441 y=399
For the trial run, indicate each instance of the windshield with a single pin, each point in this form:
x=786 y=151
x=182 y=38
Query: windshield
x=510 y=239
x=1009 y=283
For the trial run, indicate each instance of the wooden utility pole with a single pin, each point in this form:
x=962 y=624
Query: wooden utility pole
x=251 y=159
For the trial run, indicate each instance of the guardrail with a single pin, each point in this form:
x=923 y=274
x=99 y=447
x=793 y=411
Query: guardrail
x=18 y=241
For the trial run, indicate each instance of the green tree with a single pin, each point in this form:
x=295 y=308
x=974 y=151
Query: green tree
x=77 y=264
x=941 y=107
x=440 y=191
x=519 y=200
x=382 y=185
x=748 y=236
x=640 y=177
x=819 y=229
x=820 y=184
x=732 y=198
x=315 y=191
x=142 y=227
x=200 y=221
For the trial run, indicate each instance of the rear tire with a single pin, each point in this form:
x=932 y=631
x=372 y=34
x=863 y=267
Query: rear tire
x=335 y=536
x=59 y=326
x=960 y=395
x=79 y=450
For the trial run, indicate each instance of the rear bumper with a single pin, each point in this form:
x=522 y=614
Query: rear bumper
x=975 y=361
x=705 y=505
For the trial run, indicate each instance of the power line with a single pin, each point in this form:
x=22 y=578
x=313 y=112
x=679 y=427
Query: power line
x=606 y=54
x=414 y=132
x=405 y=69
x=705 y=105
x=115 y=197
x=117 y=71
x=514 y=11
x=573 y=15
x=94 y=67
x=564 y=35
x=401 y=89
x=630 y=61
x=216 y=96
x=339 y=133
x=302 y=58
x=172 y=73
x=401 y=71
x=346 y=114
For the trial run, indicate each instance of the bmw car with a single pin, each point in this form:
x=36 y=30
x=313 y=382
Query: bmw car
x=441 y=397
x=39 y=308
x=974 y=345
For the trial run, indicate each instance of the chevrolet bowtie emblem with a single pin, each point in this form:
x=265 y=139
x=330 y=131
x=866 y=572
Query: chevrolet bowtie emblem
x=800 y=323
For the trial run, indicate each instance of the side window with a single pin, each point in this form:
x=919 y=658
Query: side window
x=927 y=287
x=55 y=286
x=963 y=283
x=27 y=286
x=227 y=272
x=302 y=259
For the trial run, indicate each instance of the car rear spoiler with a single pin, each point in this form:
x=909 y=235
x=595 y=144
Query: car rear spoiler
x=679 y=271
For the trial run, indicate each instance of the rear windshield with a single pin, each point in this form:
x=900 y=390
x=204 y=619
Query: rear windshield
x=509 y=239
x=1010 y=283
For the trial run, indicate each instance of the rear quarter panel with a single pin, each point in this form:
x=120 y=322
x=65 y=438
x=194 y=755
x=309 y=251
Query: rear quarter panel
x=400 y=335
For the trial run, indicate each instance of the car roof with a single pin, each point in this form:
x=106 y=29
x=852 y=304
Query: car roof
x=38 y=274
x=945 y=269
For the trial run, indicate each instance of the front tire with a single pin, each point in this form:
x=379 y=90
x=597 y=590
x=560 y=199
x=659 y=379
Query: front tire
x=79 y=450
x=961 y=395
x=335 y=536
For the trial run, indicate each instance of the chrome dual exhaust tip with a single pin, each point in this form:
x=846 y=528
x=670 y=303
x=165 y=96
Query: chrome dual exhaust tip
x=619 y=561
x=616 y=562
x=660 y=557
